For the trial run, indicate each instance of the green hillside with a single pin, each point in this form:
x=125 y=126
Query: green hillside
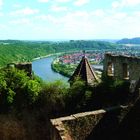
x=22 y=51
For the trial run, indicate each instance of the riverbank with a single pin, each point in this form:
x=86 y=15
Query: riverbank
x=48 y=55
x=65 y=70
x=37 y=58
x=42 y=68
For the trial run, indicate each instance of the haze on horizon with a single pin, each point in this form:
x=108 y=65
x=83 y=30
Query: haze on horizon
x=69 y=19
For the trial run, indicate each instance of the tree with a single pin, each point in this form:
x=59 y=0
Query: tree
x=17 y=89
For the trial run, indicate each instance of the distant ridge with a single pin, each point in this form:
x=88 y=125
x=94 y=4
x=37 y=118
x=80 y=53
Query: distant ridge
x=135 y=40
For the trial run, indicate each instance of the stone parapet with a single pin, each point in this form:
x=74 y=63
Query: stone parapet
x=83 y=126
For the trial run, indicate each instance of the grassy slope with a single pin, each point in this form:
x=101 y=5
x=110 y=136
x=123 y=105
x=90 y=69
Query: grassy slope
x=23 y=51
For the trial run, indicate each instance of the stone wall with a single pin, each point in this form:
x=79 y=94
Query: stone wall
x=58 y=130
x=123 y=67
x=27 y=67
x=88 y=125
x=119 y=61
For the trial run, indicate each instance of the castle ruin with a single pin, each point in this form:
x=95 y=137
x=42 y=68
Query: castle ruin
x=27 y=67
x=118 y=122
x=123 y=67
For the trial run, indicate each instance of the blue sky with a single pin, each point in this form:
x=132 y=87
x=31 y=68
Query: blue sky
x=69 y=19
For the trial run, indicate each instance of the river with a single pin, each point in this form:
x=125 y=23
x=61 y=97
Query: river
x=42 y=68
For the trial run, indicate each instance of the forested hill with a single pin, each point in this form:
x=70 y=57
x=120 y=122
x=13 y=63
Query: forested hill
x=129 y=41
x=22 y=51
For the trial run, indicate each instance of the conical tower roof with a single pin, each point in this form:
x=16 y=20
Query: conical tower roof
x=85 y=72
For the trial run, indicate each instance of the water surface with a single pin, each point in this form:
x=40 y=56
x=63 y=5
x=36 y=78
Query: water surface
x=42 y=68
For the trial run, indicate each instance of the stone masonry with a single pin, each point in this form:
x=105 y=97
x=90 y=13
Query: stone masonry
x=97 y=124
x=123 y=67
x=27 y=67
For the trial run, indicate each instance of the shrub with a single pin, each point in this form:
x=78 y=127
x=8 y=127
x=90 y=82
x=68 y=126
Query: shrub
x=17 y=89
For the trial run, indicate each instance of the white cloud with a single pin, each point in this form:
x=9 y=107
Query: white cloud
x=25 y=11
x=2 y=26
x=21 y=21
x=79 y=28
x=1 y=3
x=125 y=3
x=43 y=1
x=112 y=24
x=115 y=4
x=130 y=2
x=81 y=2
x=48 y=18
x=119 y=24
x=56 y=8
x=62 y=1
x=120 y=16
x=72 y=23
x=137 y=13
x=95 y=24
x=1 y=14
x=16 y=5
x=98 y=13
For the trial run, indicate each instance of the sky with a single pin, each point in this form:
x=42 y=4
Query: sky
x=69 y=19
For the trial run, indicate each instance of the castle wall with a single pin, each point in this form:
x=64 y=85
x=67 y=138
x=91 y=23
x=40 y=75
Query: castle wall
x=121 y=64
x=100 y=124
x=27 y=67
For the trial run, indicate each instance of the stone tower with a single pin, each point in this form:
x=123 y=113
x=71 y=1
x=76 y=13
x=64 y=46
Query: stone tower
x=85 y=72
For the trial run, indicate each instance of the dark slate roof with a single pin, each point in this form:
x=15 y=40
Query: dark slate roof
x=85 y=72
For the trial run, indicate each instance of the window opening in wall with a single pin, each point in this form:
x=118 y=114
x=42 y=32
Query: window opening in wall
x=110 y=69
x=125 y=71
